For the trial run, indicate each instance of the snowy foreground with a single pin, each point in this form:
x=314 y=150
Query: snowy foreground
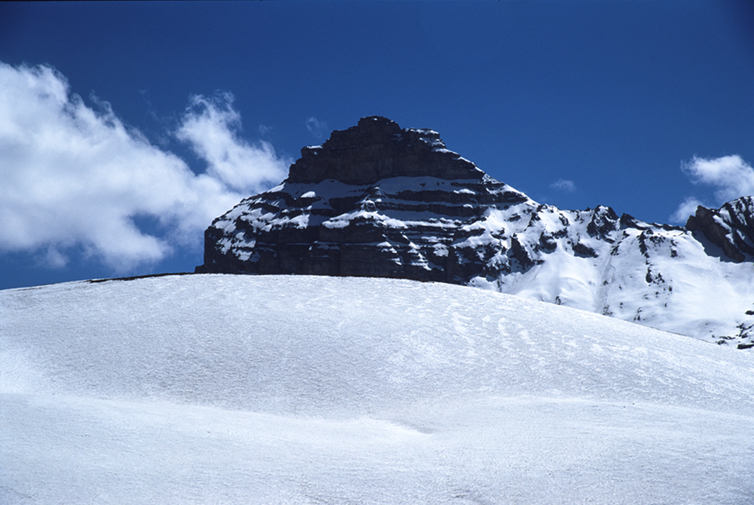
x=318 y=390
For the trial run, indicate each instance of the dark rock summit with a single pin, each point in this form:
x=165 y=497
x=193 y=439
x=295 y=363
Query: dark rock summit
x=377 y=148
x=373 y=200
x=379 y=200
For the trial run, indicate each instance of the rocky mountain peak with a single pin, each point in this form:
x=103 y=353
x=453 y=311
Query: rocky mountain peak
x=382 y=201
x=377 y=148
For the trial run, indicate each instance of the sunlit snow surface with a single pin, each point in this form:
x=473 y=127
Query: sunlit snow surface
x=247 y=389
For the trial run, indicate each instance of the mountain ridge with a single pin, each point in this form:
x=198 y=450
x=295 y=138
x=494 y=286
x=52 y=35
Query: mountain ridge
x=379 y=200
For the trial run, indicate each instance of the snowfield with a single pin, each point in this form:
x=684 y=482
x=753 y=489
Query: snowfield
x=321 y=390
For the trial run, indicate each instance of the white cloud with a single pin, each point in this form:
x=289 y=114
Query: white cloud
x=563 y=185
x=210 y=126
x=686 y=209
x=55 y=259
x=73 y=175
x=731 y=177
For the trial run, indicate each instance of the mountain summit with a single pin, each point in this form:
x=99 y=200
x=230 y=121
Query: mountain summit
x=379 y=200
x=376 y=149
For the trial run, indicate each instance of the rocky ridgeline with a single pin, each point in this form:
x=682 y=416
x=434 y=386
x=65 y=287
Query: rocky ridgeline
x=379 y=200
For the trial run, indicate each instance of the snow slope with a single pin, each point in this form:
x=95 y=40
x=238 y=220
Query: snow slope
x=320 y=390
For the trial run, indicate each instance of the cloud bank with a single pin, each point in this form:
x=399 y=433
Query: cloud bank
x=75 y=176
x=731 y=177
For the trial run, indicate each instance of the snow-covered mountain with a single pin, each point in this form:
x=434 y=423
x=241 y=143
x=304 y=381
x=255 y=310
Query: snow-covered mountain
x=333 y=390
x=379 y=200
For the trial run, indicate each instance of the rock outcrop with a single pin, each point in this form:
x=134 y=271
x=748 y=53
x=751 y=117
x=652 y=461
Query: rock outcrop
x=731 y=227
x=379 y=200
x=374 y=200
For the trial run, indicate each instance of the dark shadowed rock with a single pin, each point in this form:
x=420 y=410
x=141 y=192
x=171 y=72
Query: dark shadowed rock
x=377 y=148
x=731 y=227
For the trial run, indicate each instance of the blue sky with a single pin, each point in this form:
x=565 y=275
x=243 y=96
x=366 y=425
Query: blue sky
x=126 y=127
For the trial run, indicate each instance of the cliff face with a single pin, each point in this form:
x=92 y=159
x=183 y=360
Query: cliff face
x=378 y=200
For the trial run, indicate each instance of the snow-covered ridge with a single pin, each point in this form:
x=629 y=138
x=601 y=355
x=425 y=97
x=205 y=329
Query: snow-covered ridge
x=374 y=202
x=298 y=389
